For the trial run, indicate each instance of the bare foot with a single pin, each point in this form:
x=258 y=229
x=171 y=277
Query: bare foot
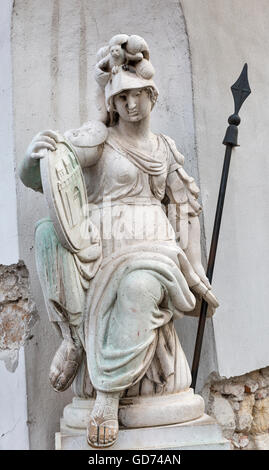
x=65 y=364
x=103 y=427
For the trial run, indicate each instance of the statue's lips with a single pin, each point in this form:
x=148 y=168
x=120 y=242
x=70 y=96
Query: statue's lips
x=133 y=113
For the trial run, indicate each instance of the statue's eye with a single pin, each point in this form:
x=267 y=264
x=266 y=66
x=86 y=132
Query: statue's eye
x=138 y=93
x=123 y=97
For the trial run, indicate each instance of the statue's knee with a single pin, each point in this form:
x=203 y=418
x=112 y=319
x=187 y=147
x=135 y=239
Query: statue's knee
x=140 y=283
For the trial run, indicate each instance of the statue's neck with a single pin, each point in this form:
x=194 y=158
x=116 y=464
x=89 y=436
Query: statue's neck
x=134 y=131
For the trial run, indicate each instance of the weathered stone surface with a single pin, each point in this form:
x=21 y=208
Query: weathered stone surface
x=265 y=375
x=13 y=282
x=260 y=394
x=229 y=388
x=244 y=416
x=221 y=409
x=251 y=386
x=261 y=377
x=236 y=390
x=248 y=396
x=260 y=416
x=235 y=405
x=261 y=441
x=17 y=311
x=240 y=441
x=10 y=358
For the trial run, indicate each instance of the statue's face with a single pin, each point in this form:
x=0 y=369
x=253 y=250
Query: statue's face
x=133 y=105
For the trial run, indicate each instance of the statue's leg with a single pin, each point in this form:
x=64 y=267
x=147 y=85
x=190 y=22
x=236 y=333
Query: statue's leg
x=135 y=317
x=64 y=298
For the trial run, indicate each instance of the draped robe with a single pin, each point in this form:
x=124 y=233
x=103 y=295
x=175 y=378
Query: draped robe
x=127 y=188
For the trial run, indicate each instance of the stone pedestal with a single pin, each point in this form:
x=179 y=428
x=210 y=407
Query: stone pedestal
x=141 y=411
x=200 y=434
x=175 y=421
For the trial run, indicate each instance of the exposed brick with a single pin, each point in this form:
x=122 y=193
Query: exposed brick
x=251 y=386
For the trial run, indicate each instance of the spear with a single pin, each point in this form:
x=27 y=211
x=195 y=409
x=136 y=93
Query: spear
x=240 y=91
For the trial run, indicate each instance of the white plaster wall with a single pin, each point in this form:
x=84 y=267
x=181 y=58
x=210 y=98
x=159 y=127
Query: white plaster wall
x=8 y=207
x=13 y=407
x=223 y=36
x=13 y=401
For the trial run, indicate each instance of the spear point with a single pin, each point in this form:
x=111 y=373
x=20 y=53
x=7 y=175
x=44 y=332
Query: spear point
x=240 y=90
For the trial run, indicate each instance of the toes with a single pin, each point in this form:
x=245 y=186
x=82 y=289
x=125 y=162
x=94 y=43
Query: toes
x=53 y=376
x=101 y=435
x=110 y=435
x=61 y=382
x=92 y=433
x=114 y=435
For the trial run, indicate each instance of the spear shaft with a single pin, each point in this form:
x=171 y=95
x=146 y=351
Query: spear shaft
x=240 y=91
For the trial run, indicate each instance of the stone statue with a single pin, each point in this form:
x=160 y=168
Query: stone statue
x=119 y=258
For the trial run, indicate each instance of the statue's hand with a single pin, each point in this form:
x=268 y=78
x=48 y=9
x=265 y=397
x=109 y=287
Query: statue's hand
x=43 y=140
x=207 y=295
x=199 y=269
x=204 y=288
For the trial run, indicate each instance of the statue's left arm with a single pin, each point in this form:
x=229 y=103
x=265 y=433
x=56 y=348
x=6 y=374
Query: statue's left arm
x=185 y=209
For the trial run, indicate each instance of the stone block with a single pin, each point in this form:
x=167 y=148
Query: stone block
x=240 y=441
x=260 y=422
x=260 y=394
x=199 y=434
x=265 y=374
x=244 y=415
x=261 y=441
x=222 y=410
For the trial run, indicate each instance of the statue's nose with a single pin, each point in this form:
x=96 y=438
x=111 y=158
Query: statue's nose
x=131 y=103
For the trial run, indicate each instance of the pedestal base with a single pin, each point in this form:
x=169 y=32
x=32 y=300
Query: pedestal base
x=142 y=411
x=200 y=434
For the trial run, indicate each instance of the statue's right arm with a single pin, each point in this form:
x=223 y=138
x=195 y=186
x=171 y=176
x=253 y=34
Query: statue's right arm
x=29 y=170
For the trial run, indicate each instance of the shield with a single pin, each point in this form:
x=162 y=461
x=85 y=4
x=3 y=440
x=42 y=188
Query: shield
x=65 y=191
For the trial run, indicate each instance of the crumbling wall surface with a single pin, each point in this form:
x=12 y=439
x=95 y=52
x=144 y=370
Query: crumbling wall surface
x=17 y=312
x=241 y=407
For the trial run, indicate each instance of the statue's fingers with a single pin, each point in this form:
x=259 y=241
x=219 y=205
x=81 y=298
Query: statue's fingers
x=211 y=299
x=37 y=156
x=205 y=281
x=51 y=134
x=49 y=140
x=201 y=273
x=42 y=145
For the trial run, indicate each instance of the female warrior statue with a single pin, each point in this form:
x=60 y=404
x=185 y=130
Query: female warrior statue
x=114 y=302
